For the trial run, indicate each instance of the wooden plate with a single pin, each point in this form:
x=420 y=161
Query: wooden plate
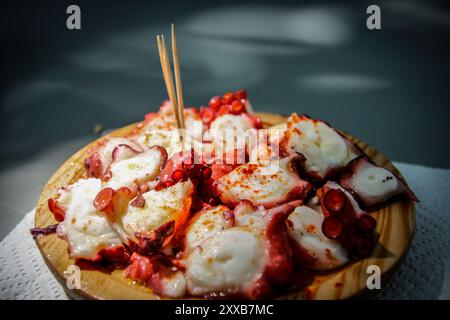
x=395 y=224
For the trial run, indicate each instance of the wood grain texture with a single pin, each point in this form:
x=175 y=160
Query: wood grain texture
x=395 y=226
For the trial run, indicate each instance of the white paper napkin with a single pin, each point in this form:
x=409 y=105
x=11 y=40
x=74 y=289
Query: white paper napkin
x=23 y=273
x=424 y=274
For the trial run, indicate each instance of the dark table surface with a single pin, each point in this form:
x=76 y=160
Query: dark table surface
x=388 y=87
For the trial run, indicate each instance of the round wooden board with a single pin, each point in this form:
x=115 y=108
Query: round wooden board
x=395 y=225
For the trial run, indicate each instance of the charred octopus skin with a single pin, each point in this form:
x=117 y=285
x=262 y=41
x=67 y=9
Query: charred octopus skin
x=194 y=219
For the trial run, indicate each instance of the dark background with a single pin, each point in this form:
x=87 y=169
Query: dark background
x=388 y=87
